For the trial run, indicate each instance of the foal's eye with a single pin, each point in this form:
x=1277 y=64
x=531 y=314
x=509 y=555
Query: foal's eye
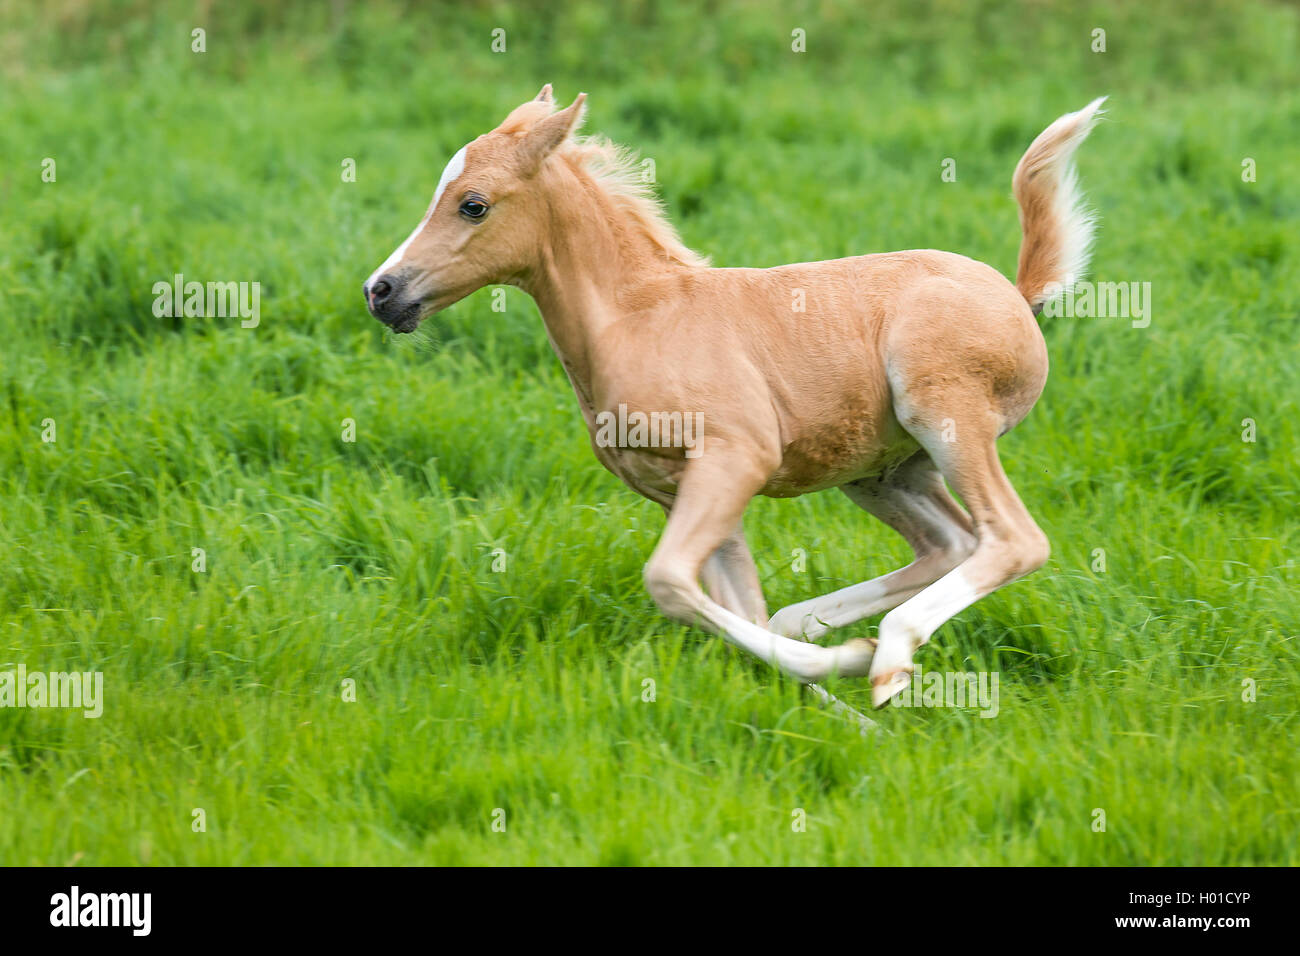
x=473 y=209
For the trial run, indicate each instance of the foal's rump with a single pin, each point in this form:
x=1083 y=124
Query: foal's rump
x=840 y=341
x=954 y=339
x=961 y=346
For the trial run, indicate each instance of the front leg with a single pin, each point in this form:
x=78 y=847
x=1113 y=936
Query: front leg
x=710 y=499
x=730 y=575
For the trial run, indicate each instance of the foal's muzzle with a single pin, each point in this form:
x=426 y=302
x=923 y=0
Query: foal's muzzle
x=386 y=303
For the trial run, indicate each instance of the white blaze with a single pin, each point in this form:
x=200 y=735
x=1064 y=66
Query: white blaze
x=455 y=167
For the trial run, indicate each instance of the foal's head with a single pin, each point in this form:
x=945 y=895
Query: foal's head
x=484 y=222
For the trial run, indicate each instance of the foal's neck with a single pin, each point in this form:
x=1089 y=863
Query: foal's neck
x=590 y=256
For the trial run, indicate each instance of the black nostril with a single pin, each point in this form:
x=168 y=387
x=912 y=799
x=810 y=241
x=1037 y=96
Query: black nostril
x=380 y=291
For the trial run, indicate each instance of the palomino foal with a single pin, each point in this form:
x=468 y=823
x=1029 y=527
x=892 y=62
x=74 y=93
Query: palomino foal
x=901 y=370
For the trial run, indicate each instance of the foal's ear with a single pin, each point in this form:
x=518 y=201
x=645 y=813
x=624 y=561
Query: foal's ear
x=545 y=96
x=549 y=133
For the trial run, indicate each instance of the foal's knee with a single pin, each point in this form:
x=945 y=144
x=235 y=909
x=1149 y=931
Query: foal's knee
x=673 y=591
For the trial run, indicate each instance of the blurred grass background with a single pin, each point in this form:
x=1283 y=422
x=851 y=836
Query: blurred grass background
x=1121 y=690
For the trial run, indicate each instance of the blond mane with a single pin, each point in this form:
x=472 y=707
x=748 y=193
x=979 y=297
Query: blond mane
x=615 y=171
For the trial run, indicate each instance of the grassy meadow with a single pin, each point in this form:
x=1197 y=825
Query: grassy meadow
x=466 y=569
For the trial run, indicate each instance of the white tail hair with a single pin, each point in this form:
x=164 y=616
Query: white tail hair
x=1057 y=226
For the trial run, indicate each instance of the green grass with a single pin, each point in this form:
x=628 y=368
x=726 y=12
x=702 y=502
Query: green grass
x=522 y=690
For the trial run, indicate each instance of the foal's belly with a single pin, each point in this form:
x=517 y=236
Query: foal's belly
x=819 y=457
x=828 y=457
x=837 y=425
x=651 y=475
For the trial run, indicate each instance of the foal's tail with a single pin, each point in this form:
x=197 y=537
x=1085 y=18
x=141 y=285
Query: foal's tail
x=1057 y=227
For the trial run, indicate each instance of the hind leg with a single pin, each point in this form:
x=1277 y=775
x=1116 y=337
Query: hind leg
x=1008 y=542
x=914 y=502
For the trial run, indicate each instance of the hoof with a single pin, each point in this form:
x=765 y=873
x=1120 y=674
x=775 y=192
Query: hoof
x=885 y=687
